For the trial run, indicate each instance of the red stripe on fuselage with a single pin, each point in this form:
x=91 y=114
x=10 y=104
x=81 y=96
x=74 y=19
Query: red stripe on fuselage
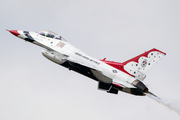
x=116 y=65
x=118 y=85
x=120 y=66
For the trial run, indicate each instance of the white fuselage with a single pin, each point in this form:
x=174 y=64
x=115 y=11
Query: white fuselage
x=77 y=56
x=112 y=76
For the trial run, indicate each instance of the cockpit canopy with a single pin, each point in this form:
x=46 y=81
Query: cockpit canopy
x=50 y=34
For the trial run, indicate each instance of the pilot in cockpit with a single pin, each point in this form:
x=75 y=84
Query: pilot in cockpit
x=51 y=34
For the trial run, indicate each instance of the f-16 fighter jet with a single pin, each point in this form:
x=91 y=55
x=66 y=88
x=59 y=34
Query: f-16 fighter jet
x=111 y=76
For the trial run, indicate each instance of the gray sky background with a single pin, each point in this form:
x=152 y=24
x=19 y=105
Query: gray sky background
x=34 y=88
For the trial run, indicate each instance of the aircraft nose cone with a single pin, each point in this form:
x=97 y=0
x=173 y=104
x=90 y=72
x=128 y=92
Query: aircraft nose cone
x=14 y=32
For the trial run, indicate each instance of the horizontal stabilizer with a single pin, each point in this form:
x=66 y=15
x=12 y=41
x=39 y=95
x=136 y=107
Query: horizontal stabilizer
x=104 y=86
x=107 y=87
x=112 y=90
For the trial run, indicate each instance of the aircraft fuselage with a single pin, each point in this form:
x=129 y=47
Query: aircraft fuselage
x=111 y=76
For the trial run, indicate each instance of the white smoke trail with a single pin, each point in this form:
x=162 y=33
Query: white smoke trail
x=171 y=105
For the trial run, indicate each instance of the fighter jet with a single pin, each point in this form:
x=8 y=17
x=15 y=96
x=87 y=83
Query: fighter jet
x=111 y=76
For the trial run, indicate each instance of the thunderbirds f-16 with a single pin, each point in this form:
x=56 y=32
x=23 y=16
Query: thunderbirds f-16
x=111 y=76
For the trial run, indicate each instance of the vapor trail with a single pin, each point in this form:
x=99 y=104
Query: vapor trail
x=171 y=105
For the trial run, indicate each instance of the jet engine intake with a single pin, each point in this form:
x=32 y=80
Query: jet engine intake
x=54 y=56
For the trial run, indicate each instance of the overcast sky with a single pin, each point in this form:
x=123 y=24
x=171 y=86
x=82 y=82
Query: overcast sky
x=34 y=88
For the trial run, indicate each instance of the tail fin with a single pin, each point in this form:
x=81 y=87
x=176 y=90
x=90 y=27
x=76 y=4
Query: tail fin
x=139 y=65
